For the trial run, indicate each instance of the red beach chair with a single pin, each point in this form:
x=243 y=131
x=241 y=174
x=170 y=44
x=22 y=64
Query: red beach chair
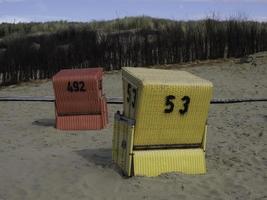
x=80 y=103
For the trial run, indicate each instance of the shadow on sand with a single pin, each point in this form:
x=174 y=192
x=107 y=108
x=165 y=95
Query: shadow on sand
x=100 y=157
x=44 y=122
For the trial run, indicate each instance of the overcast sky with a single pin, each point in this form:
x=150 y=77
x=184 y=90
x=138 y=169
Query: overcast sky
x=87 y=10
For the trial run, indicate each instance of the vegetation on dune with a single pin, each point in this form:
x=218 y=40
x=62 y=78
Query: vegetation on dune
x=39 y=50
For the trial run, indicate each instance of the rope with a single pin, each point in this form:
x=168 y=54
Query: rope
x=110 y=100
x=28 y=98
x=228 y=101
x=119 y=100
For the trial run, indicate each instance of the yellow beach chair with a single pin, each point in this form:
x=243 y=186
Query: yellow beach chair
x=163 y=125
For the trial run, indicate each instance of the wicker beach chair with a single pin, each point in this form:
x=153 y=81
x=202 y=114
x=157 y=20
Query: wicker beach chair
x=163 y=125
x=80 y=103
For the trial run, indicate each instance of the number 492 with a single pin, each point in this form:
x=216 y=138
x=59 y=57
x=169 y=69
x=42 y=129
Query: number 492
x=170 y=105
x=76 y=86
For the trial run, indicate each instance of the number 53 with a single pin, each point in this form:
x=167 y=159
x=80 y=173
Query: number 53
x=170 y=104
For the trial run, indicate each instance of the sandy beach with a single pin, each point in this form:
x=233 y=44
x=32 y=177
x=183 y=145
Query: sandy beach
x=38 y=161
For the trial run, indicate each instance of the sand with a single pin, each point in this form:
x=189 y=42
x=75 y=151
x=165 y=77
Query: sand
x=38 y=161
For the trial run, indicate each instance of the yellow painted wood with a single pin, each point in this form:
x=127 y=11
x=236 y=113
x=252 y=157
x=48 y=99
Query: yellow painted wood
x=156 y=162
x=153 y=125
x=129 y=151
x=123 y=144
x=115 y=141
x=204 y=141
x=120 y=160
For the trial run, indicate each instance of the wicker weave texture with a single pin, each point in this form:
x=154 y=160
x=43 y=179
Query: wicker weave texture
x=156 y=162
x=83 y=122
x=153 y=125
x=79 y=107
x=78 y=90
x=142 y=76
x=80 y=104
x=153 y=162
x=79 y=122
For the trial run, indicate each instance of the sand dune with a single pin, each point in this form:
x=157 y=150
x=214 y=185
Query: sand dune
x=39 y=162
